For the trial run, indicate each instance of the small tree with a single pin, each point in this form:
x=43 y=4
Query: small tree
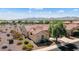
x=57 y=29
x=19 y=22
x=40 y=21
x=13 y=22
x=26 y=22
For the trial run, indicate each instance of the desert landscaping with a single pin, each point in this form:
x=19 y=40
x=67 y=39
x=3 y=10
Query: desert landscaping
x=18 y=36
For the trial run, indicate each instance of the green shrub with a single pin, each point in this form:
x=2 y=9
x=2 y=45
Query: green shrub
x=8 y=35
x=19 y=43
x=11 y=41
x=20 y=38
x=24 y=47
x=27 y=47
x=26 y=42
x=4 y=47
x=15 y=34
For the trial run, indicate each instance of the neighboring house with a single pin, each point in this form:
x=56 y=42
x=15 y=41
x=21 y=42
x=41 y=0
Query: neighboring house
x=72 y=26
x=37 y=32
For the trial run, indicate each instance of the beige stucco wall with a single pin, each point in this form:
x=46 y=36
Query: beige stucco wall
x=37 y=37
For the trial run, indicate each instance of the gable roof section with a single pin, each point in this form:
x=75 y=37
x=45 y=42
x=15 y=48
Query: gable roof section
x=36 y=28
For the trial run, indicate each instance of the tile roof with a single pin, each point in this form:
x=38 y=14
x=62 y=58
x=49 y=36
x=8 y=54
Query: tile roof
x=72 y=26
x=36 y=28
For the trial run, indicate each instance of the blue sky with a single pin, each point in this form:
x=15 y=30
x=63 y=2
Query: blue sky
x=15 y=13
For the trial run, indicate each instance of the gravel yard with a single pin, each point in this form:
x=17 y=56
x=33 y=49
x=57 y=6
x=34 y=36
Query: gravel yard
x=9 y=43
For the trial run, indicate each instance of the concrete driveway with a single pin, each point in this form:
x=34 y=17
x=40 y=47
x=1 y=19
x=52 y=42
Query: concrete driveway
x=55 y=47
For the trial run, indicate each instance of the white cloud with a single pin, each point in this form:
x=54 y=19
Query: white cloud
x=12 y=15
x=61 y=11
x=30 y=11
x=50 y=12
x=75 y=9
x=38 y=8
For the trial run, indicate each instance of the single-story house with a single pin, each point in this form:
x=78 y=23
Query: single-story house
x=37 y=32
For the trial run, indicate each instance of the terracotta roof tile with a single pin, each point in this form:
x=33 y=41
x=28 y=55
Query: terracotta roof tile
x=71 y=26
x=36 y=28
